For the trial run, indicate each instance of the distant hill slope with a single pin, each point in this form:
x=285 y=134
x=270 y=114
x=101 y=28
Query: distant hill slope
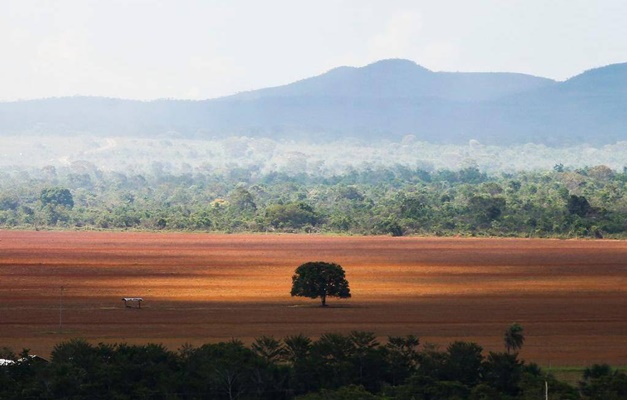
x=588 y=108
x=403 y=79
x=384 y=100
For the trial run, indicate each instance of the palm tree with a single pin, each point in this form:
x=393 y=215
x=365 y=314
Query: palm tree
x=514 y=337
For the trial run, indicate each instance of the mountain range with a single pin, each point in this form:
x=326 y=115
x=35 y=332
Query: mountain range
x=384 y=100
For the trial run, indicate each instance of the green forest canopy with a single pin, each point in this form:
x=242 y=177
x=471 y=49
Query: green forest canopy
x=588 y=202
x=335 y=366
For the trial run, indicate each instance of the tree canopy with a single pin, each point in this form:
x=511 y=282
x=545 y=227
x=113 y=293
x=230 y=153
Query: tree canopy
x=353 y=365
x=320 y=279
x=514 y=337
x=392 y=201
x=56 y=196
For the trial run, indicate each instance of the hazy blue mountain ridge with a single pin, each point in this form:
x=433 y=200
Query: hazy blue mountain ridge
x=385 y=100
x=587 y=108
x=391 y=79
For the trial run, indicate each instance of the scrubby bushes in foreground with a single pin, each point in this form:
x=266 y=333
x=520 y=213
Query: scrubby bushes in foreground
x=336 y=366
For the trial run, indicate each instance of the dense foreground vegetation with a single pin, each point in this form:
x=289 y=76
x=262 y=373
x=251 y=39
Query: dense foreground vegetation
x=336 y=366
x=590 y=202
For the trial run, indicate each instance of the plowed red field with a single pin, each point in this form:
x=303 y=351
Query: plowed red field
x=570 y=295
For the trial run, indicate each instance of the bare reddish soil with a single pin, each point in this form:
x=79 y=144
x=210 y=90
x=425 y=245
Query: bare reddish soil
x=570 y=295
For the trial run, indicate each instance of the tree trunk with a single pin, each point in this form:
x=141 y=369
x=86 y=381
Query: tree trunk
x=324 y=300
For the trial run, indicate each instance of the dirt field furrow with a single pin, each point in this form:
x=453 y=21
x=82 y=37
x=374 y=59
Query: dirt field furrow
x=570 y=295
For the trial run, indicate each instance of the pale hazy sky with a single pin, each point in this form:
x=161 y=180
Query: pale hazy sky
x=148 y=49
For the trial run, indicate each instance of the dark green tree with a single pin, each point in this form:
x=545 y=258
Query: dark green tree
x=534 y=382
x=369 y=362
x=600 y=381
x=224 y=371
x=56 y=196
x=269 y=348
x=319 y=280
x=463 y=363
x=431 y=362
x=402 y=357
x=292 y=215
x=486 y=209
x=297 y=347
x=331 y=358
x=298 y=354
x=8 y=202
x=390 y=227
x=578 y=205
x=472 y=175
x=24 y=379
x=7 y=354
x=411 y=206
x=503 y=372
x=514 y=337
x=242 y=200
x=422 y=387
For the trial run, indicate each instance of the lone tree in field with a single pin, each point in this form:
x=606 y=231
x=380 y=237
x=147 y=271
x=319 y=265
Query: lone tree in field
x=514 y=337
x=320 y=279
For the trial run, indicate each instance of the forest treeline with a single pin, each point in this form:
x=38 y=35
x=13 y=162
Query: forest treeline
x=333 y=367
x=587 y=202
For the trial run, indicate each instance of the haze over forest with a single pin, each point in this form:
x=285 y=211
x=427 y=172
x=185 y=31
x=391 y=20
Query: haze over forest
x=390 y=112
